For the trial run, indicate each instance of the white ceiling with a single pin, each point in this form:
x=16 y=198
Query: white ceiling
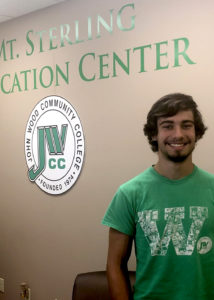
x=10 y=9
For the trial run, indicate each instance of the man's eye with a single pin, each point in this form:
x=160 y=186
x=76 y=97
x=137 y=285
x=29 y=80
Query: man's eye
x=167 y=126
x=187 y=126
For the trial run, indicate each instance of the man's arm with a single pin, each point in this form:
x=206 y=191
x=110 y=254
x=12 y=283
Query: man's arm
x=119 y=251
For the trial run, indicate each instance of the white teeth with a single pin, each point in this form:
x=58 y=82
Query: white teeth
x=176 y=145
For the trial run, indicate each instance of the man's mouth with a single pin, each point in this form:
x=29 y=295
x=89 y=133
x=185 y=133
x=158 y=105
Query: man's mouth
x=177 y=146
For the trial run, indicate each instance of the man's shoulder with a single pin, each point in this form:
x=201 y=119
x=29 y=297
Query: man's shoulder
x=205 y=176
x=138 y=181
x=205 y=173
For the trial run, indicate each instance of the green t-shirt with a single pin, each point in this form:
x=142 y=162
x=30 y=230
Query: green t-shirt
x=172 y=222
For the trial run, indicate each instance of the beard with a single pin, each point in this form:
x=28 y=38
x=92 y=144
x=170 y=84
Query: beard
x=178 y=157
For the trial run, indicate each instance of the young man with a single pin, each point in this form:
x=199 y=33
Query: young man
x=168 y=210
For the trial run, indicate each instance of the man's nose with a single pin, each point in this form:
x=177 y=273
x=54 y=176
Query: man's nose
x=178 y=132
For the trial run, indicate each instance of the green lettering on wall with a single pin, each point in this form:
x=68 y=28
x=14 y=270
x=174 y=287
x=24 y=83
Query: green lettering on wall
x=40 y=33
x=119 y=21
x=77 y=39
x=52 y=37
x=2 y=84
x=102 y=66
x=142 y=56
x=82 y=75
x=117 y=60
x=34 y=80
x=29 y=41
x=62 y=75
x=178 y=53
x=3 y=50
x=16 y=84
x=89 y=28
x=64 y=35
x=26 y=72
x=11 y=47
x=160 y=54
x=41 y=77
x=108 y=27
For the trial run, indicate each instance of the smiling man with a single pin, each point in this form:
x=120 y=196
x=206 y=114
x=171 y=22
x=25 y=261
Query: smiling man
x=176 y=140
x=168 y=210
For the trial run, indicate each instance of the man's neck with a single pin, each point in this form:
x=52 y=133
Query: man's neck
x=174 y=170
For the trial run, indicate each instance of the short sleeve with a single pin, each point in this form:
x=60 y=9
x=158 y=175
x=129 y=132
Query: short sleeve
x=120 y=214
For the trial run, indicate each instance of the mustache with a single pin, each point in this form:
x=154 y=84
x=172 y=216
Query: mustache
x=178 y=140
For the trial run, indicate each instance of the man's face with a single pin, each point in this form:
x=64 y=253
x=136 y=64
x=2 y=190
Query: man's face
x=176 y=136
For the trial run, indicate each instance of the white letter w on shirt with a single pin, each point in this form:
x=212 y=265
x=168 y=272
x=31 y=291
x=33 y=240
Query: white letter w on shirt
x=174 y=230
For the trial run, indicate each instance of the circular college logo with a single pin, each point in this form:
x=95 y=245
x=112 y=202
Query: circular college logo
x=54 y=145
x=204 y=245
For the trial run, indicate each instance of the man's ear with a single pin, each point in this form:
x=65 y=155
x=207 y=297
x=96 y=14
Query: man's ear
x=154 y=138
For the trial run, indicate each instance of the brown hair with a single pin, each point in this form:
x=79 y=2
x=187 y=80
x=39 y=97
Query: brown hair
x=168 y=106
